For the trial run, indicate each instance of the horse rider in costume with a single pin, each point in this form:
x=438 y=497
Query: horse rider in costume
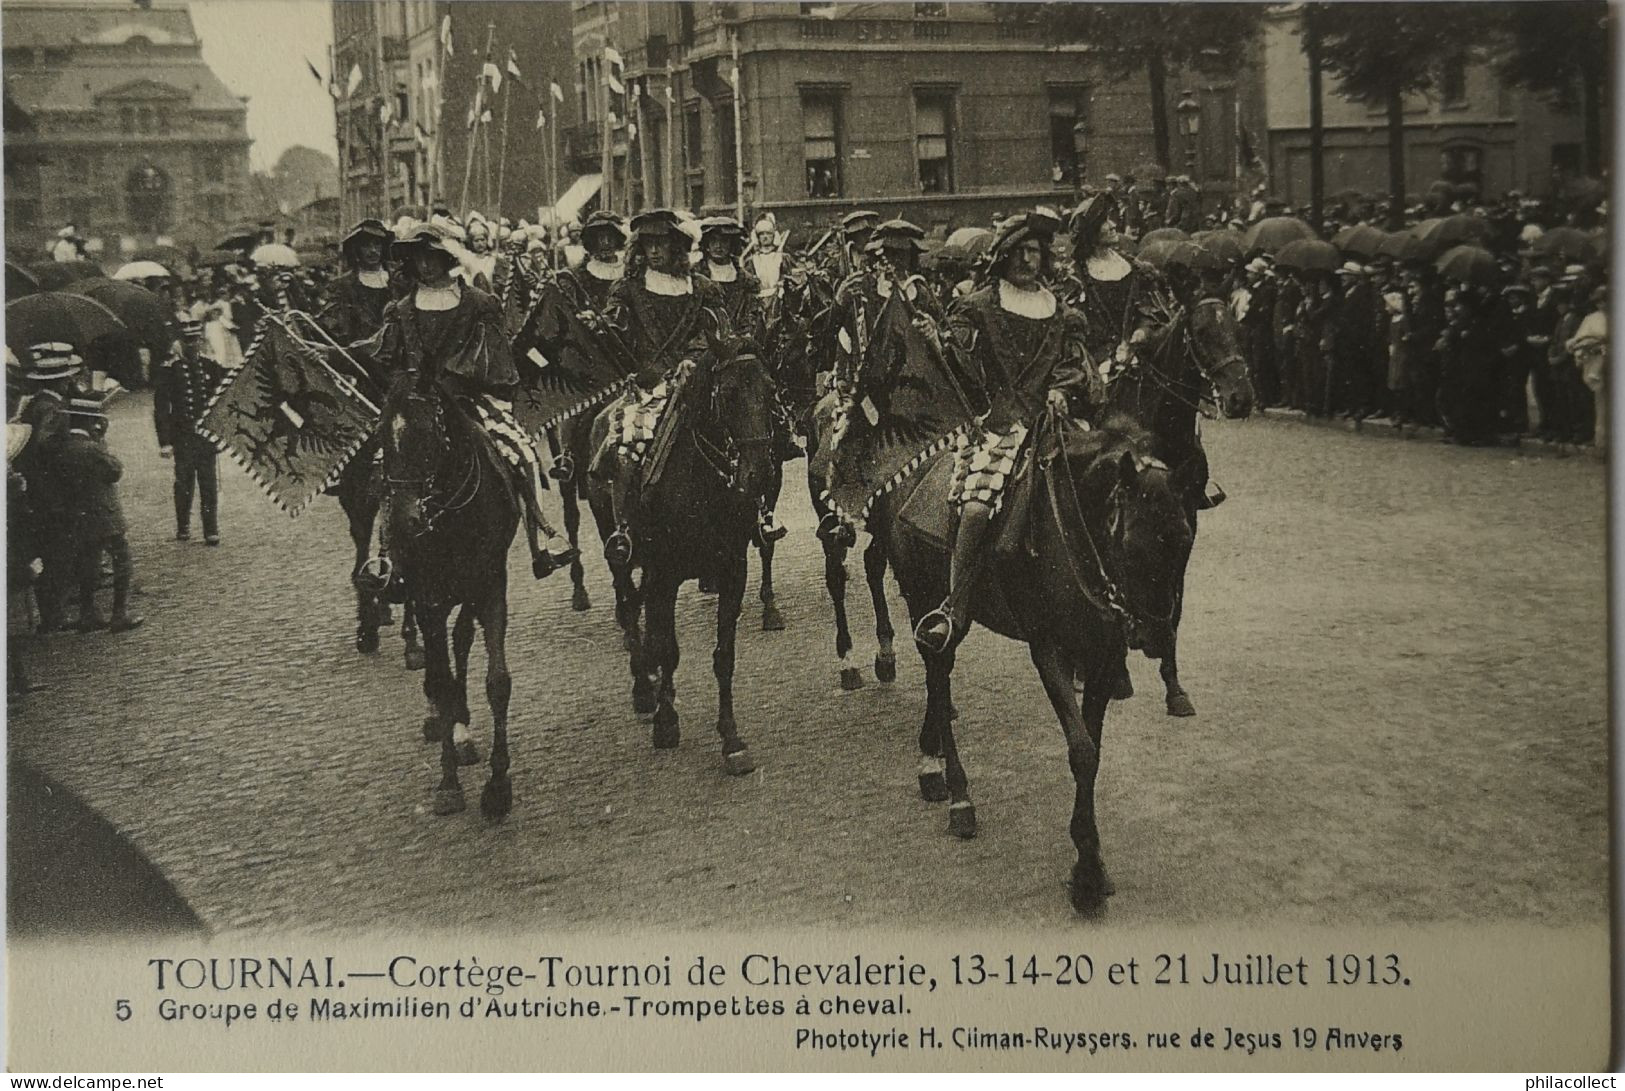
x=665 y=318
x=589 y=281
x=356 y=301
x=456 y=329
x=1111 y=290
x=722 y=241
x=1022 y=351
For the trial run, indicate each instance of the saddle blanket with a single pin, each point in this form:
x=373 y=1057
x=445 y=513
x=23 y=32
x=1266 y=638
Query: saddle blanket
x=637 y=417
x=497 y=419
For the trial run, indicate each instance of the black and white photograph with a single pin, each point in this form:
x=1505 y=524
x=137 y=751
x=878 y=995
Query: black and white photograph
x=619 y=469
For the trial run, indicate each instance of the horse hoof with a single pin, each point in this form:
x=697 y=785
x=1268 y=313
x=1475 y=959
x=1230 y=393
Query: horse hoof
x=738 y=763
x=666 y=732
x=468 y=753
x=772 y=620
x=643 y=698
x=851 y=678
x=933 y=787
x=579 y=601
x=414 y=658
x=1124 y=688
x=497 y=798
x=1179 y=704
x=448 y=801
x=366 y=643
x=885 y=667
x=962 y=820
x=1089 y=890
x=386 y=616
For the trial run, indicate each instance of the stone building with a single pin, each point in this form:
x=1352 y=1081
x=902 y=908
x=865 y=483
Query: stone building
x=403 y=132
x=115 y=124
x=936 y=112
x=1473 y=128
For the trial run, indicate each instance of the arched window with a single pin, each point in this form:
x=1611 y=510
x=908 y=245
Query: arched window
x=149 y=200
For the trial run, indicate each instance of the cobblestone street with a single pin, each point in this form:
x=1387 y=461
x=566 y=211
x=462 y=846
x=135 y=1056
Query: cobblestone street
x=1398 y=652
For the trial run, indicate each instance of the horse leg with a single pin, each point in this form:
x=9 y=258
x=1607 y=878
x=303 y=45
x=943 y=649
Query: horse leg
x=874 y=571
x=1179 y=702
x=462 y=639
x=572 y=530
x=772 y=620
x=661 y=653
x=438 y=688
x=409 y=634
x=730 y=598
x=938 y=705
x=629 y=606
x=835 y=582
x=497 y=798
x=1056 y=668
x=933 y=771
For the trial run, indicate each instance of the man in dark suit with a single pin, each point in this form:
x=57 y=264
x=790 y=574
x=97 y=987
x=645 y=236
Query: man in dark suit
x=184 y=385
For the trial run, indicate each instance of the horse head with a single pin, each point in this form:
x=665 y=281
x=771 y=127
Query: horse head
x=415 y=448
x=739 y=413
x=1215 y=344
x=1126 y=528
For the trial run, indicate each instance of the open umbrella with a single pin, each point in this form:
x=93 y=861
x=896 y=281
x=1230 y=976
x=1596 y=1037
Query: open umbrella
x=1273 y=232
x=1569 y=243
x=240 y=237
x=57 y=316
x=1309 y=256
x=1403 y=246
x=19 y=282
x=965 y=244
x=275 y=254
x=1470 y=265
x=1362 y=240
x=53 y=275
x=169 y=256
x=214 y=259
x=1597 y=247
x=144 y=313
x=1164 y=234
x=1178 y=253
x=1222 y=243
x=1460 y=228
x=140 y=270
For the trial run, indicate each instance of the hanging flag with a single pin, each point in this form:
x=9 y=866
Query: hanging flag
x=473 y=118
x=485 y=118
x=513 y=64
x=355 y=79
x=430 y=81
x=611 y=118
x=385 y=113
x=733 y=77
x=541 y=119
x=614 y=84
x=557 y=91
x=445 y=35
x=491 y=72
x=631 y=130
x=669 y=96
x=422 y=136
x=612 y=57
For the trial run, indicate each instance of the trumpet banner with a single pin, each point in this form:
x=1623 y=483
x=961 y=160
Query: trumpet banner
x=286 y=419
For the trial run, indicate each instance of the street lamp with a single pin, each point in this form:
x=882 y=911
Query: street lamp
x=1080 y=145
x=1190 y=124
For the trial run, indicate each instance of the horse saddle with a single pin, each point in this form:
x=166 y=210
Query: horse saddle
x=926 y=512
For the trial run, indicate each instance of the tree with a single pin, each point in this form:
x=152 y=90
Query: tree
x=301 y=175
x=1156 y=38
x=1556 y=47
x=1381 y=52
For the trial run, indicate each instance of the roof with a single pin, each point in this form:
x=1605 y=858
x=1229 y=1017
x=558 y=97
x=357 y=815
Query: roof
x=77 y=86
x=58 y=23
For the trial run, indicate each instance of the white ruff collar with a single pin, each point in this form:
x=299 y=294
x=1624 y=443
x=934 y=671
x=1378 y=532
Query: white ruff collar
x=722 y=274
x=665 y=283
x=1108 y=266
x=438 y=299
x=373 y=278
x=1027 y=302
x=604 y=270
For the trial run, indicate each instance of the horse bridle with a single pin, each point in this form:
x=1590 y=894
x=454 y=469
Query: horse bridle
x=461 y=496
x=1209 y=372
x=724 y=460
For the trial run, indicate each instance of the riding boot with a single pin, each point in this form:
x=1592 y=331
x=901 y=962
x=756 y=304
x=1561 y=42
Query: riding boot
x=768 y=527
x=542 y=563
x=942 y=626
x=618 y=547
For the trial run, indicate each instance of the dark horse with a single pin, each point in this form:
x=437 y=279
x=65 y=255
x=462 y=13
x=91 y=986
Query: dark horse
x=1105 y=537
x=1193 y=357
x=359 y=489
x=695 y=521
x=452 y=514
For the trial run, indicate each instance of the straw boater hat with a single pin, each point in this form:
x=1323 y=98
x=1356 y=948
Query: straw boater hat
x=52 y=360
x=366 y=229
x=17 y=437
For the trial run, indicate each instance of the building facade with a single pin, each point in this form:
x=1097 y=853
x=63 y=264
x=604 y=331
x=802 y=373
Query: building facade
x=1473 y=128
x=938 y=112
x=115 y=124
x=403 y=130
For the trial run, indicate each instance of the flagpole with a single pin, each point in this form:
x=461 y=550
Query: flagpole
x=502 y=163
x=479 y=103
x=671 y=152
x=739 y=141
x=552 y=175
x=485 y=157
x=437 y=176
x=339 y=125
x=606 y=154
